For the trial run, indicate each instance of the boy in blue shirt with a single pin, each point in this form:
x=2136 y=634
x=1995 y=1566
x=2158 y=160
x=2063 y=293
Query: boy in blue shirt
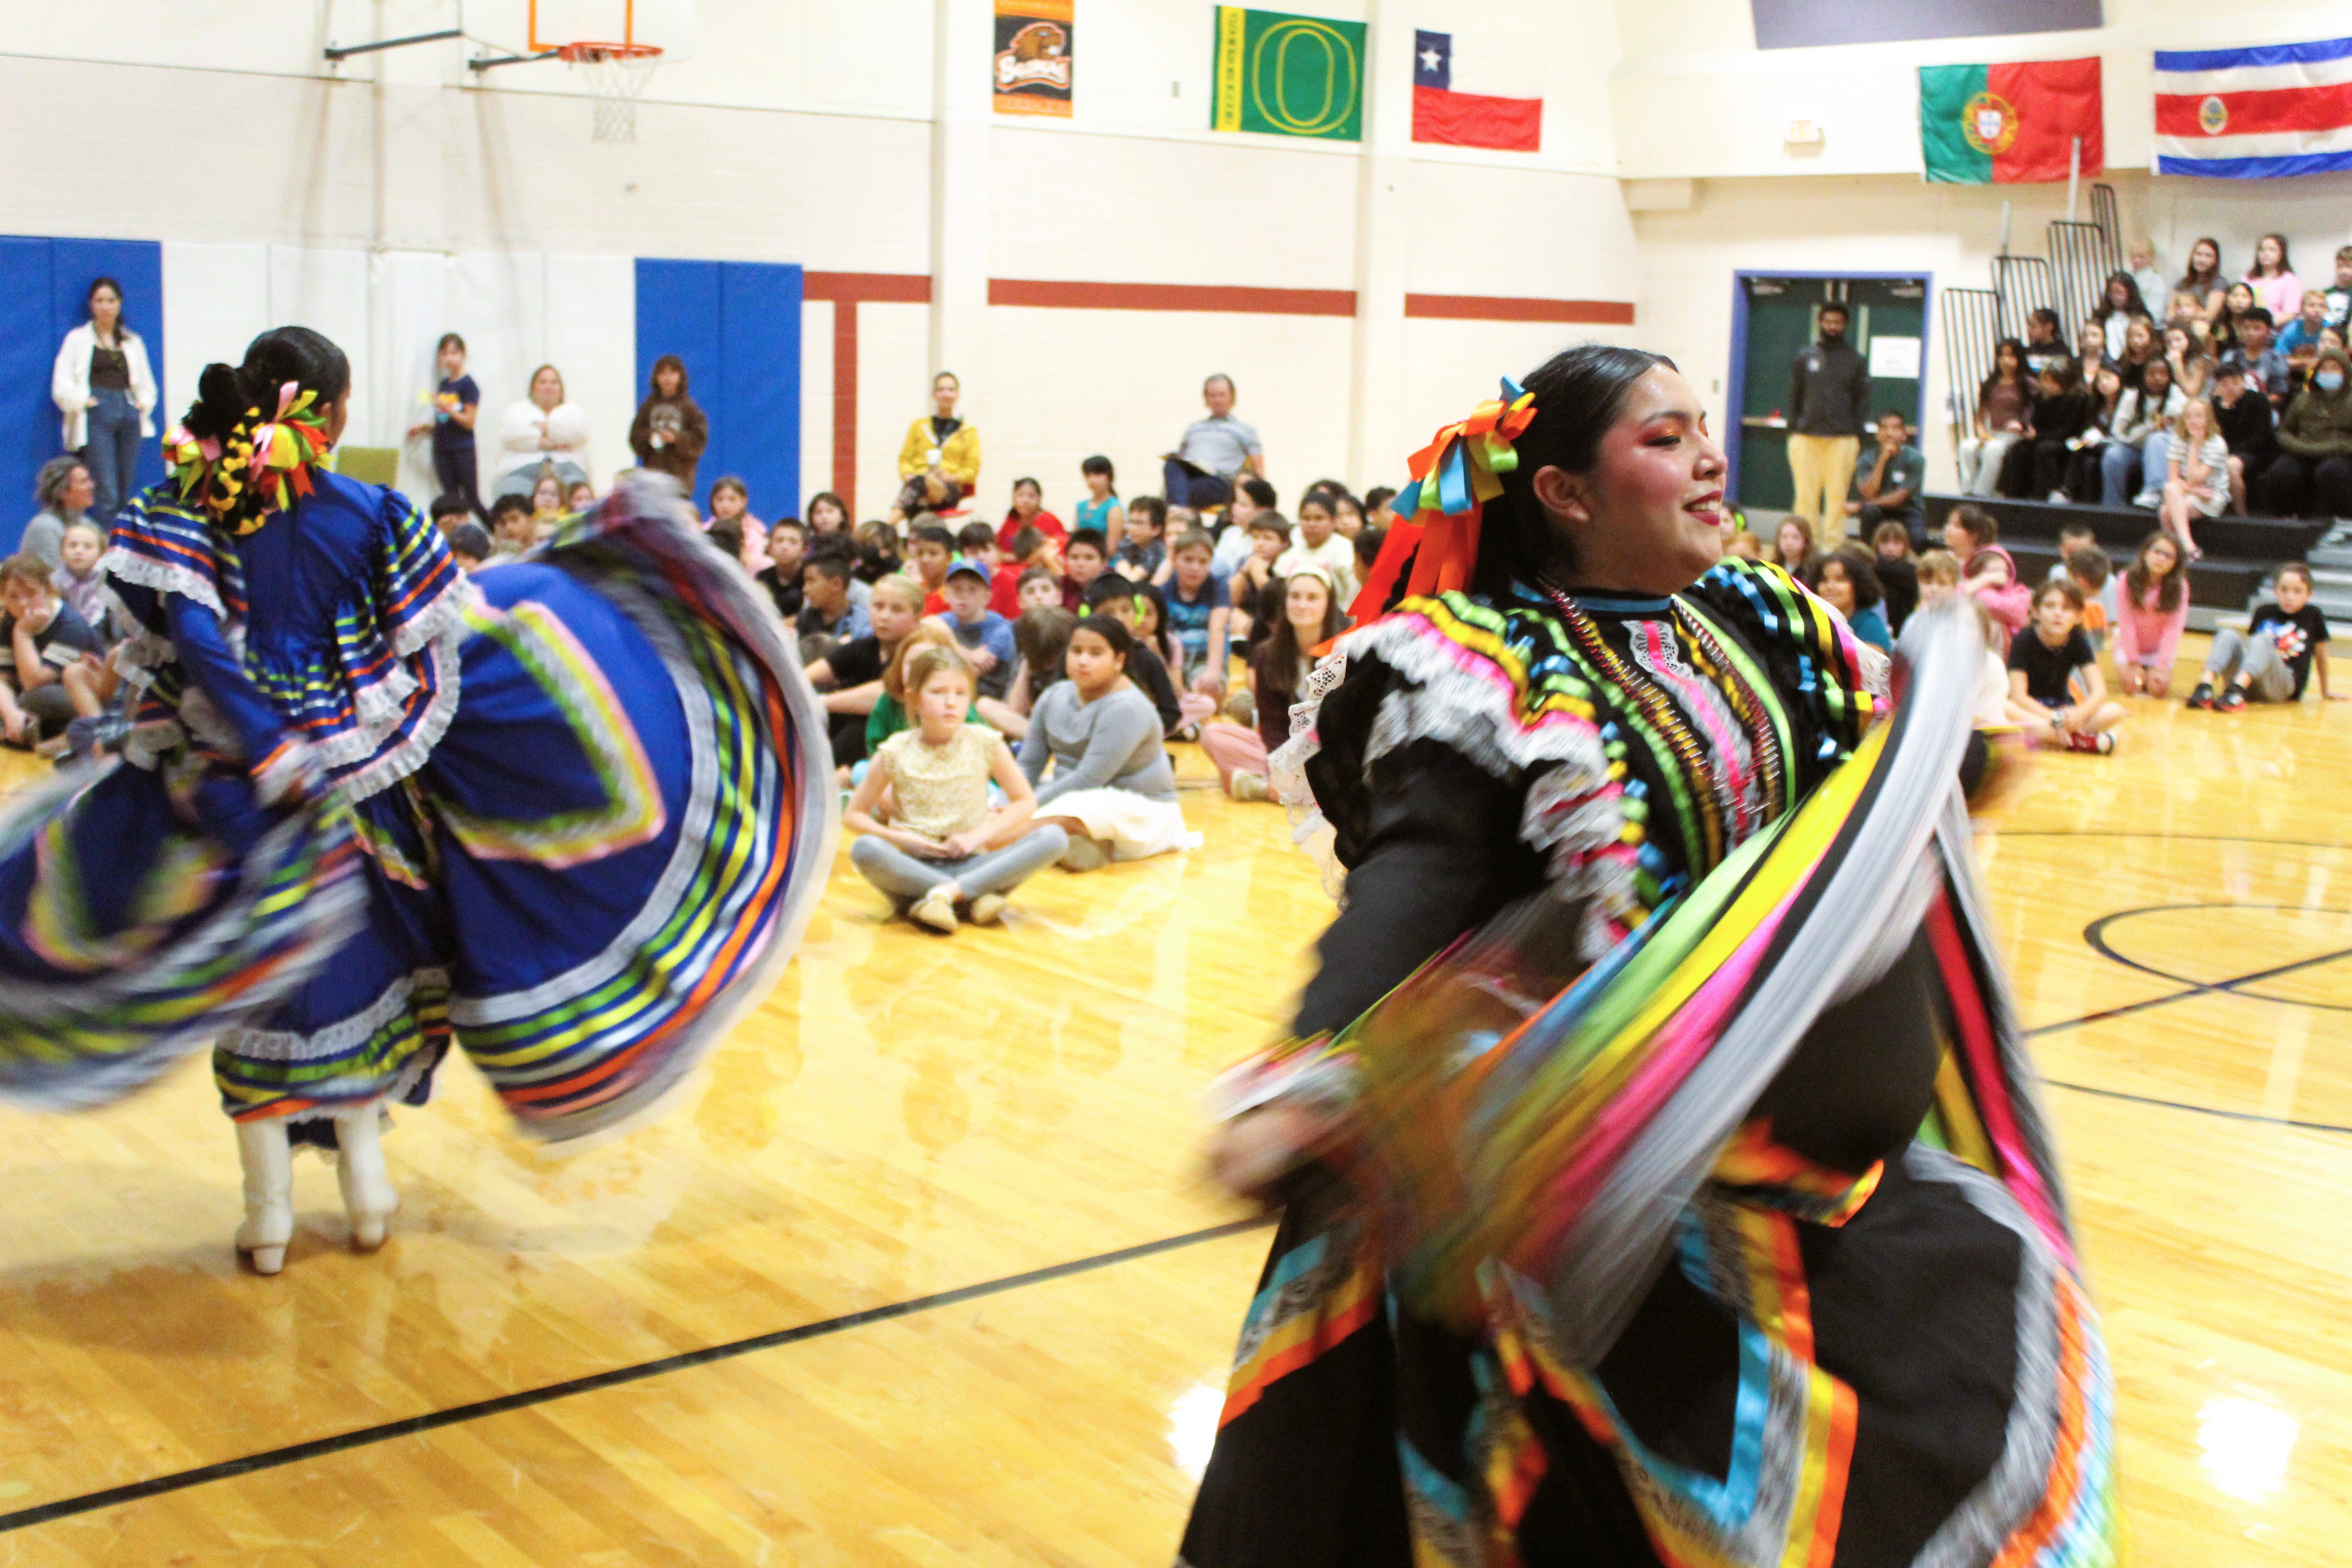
x=985 y=636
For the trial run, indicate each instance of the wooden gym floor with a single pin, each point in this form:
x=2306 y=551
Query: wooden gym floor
x=925 y=1272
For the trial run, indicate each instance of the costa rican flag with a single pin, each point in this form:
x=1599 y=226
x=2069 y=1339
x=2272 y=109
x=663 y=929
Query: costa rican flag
x=2254 y=114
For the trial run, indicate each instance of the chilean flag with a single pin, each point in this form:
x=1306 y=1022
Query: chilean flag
x=2254 y=114
x=1454 y=119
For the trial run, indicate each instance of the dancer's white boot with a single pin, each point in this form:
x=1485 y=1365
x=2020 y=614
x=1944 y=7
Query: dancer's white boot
x=368 y=1195
x=268 y=1161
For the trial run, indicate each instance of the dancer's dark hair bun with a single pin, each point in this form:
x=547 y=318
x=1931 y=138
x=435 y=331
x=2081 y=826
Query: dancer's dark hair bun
x=220 y=402
x=225 y=393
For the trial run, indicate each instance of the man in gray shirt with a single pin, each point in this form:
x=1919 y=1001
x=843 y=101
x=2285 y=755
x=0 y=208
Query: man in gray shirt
x=1214 y=452
x=1828 y=400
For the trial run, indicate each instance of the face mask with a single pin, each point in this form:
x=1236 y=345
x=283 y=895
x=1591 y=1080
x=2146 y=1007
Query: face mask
x=2330 y=380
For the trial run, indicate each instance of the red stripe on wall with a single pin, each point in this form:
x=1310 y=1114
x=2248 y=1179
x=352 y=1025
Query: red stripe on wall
x=882 y=288
x=1039 y=293
x=844 y=291
x=1497 y=308
x=2259 y=113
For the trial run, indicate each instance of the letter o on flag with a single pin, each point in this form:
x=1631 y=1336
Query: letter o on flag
x=1271 y=63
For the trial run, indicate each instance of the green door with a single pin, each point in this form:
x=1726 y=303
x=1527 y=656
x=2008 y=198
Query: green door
x=1779 y=315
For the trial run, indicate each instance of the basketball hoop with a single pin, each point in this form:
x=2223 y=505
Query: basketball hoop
x=618 y=75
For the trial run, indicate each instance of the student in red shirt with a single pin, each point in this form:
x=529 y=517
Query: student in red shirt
x=1029 y=511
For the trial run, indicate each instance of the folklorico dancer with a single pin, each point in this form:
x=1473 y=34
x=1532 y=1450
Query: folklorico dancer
x=1664 y=1178
x=565 y=813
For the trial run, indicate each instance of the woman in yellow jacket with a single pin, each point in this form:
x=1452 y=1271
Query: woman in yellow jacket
x=941 y=459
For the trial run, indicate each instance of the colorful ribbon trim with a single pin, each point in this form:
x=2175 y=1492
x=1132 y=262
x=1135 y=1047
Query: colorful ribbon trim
x=260 y=466
x=1453 y=477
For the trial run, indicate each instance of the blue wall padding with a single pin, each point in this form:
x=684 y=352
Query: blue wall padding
x=737 y=325
x=43 y=283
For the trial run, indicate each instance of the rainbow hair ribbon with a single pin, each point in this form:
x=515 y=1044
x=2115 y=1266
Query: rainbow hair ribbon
x=260 y=466
x=1439 y=512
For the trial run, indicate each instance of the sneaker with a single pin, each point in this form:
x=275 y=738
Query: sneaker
x=2230 y=701
x=2102 y=744
x=2148 y=499
x=934 y=910
x=987 y=910
x=1249 y=786
x=1084 y=855
x=2203 y=696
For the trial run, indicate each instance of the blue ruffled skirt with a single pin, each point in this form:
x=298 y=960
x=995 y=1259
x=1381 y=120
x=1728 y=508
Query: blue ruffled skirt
x=600 y=861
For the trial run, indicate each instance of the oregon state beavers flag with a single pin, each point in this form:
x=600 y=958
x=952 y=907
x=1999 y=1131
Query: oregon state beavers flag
x=1031 y=74
x=2004 y=124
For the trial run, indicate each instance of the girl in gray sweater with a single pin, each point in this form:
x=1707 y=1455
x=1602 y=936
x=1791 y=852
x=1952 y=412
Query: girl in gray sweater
x=1113 y=790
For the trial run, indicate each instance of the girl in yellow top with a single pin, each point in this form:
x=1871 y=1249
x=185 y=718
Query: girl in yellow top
x=941 y=459
x=930 y=841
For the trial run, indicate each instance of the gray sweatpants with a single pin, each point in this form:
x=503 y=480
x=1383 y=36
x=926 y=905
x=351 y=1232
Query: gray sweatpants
x=999 y=871
x=2236 y=652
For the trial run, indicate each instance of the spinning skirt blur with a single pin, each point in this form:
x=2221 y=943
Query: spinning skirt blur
x=603 y=858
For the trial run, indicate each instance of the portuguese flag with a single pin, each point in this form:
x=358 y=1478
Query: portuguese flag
x=2004 y=124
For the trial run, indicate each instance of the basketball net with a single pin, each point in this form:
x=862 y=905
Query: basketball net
x=618 y=75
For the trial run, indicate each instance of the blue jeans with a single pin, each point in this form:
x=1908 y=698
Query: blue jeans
x=112 y=455
x=2118 y=474
x=998 y=870
x=1188 y=486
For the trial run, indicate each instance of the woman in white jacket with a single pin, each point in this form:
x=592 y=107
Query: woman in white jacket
x=541 y=432
x=105 y=388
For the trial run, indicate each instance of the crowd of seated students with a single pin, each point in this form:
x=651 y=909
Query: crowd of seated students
x=2189 y=398
x=2043 y=640
x=948 y=652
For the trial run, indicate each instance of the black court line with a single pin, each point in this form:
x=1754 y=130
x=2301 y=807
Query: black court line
x=295 y=1453
x=2200 y=1110
x=2094 y=936
x=319 y=1447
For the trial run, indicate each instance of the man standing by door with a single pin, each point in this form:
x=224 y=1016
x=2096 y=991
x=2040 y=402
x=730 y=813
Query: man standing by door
x=1829 y=398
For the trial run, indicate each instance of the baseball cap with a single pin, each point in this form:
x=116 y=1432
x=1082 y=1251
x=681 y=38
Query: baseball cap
x=967 y=564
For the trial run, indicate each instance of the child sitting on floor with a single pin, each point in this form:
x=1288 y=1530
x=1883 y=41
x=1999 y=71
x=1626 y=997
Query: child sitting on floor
x=79 y=581
x=1898 y=572
x=1041 y=635
x=57 y=659
x=1114 y=596
x=2150 y=615
x=1278 y=672
x=2087 y=566
x=2273 y=658
x=930 y=840
x=1085 y=558
x=2056 y=694
x=1143 y=551
x=1987 y=570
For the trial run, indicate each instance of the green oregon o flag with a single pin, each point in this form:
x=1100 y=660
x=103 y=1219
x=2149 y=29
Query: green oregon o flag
x=1288 y=76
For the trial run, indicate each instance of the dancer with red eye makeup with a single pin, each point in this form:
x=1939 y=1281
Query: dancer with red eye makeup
x=1661 y=1172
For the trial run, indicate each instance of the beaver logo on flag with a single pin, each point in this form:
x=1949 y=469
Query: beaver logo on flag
x=2212 y=117
x=1040 y=53
x=1990 y=122
x=1032 y=70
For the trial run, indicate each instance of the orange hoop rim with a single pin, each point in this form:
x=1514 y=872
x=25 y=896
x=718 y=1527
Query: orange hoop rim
x=595 y=54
